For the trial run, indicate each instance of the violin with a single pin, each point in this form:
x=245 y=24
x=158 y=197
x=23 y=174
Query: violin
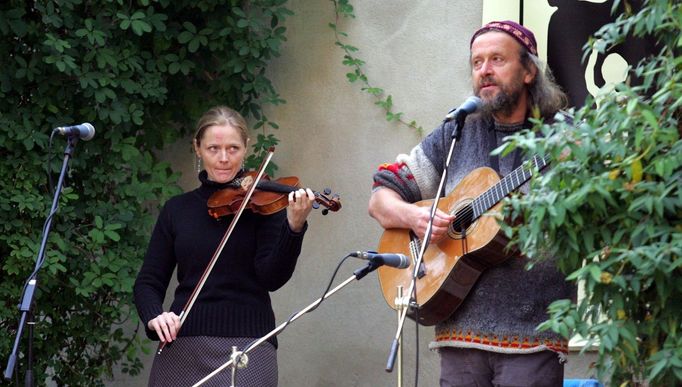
x=268 y=198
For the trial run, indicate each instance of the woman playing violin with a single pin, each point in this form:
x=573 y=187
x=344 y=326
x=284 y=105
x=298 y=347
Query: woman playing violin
x=233 y=306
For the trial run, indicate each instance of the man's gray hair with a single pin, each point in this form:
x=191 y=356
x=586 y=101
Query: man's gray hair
x=546 y=95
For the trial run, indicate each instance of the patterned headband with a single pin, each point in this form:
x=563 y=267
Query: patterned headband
x=522 y=34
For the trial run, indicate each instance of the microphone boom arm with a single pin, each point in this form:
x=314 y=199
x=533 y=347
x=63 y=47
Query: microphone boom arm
x=357 y=275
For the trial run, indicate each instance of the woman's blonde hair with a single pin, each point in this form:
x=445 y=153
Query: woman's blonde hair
x=221 y=115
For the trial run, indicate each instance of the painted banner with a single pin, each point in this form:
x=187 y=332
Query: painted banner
x=562 y=27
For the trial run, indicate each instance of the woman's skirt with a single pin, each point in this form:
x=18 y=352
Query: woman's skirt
x=188 y=360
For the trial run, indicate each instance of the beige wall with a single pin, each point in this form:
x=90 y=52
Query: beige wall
x=333 y=136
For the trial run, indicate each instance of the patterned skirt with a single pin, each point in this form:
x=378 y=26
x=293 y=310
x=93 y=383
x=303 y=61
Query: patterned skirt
x=189 y=359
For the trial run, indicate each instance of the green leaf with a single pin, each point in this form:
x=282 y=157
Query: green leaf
x=185 y=37
x=113 y=235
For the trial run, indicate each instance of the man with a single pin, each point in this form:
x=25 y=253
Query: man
x=491 y=337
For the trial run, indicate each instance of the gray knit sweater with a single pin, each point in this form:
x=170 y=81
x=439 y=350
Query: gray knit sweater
x=508 y=302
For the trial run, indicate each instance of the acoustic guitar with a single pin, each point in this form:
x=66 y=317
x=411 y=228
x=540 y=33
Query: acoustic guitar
x=474 y=243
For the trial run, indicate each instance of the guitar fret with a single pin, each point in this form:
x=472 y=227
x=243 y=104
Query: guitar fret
x=507 y=184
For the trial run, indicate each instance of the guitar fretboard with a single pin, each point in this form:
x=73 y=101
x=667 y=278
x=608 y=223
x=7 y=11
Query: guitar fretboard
x=509 y=183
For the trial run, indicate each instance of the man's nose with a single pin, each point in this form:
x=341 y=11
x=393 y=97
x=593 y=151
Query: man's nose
x=486 y=68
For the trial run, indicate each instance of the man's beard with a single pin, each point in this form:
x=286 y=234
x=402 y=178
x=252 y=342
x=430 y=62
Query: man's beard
x=506 y=99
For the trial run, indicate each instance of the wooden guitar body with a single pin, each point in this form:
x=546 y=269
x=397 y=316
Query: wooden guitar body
x=450 y=268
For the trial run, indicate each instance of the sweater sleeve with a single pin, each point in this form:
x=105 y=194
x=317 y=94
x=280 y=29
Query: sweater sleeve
x=415 y=176
x=277 y=252
x=152 y=280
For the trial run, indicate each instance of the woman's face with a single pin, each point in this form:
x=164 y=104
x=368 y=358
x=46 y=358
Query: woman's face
x=222 y=150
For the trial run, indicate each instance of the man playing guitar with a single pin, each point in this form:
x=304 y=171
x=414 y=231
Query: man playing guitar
x=490 y=339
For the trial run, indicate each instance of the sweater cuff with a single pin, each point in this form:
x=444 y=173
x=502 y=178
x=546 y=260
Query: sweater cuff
x=147 y=313
x=399 y=178
x=294 y=233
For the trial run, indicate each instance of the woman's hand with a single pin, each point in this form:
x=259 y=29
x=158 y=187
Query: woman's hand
x=300 y=205
x=166 y=325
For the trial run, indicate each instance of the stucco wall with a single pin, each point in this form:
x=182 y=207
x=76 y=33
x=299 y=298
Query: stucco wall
x=334 y=136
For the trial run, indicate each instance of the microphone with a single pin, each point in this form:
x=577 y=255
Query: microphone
x=85 y=131
x=469 y=106
x=399 y=261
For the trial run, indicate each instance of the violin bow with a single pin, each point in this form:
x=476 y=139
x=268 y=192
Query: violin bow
x=195 y=293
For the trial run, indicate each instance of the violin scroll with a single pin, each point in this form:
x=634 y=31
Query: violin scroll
x=331 y=203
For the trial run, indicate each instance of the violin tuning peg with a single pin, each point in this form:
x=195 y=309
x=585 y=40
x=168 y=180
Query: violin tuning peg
x=325 y=211
x=316 y=205
x=327 y=191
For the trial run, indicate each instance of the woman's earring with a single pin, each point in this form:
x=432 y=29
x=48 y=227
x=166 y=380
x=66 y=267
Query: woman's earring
x=197 y=162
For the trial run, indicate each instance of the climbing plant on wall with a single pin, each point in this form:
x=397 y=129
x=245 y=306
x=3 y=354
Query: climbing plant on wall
x=141 y=72
x=344 y=9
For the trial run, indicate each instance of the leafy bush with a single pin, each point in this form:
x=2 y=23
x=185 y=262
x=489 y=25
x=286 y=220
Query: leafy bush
x=141 y=72
x=609 y=210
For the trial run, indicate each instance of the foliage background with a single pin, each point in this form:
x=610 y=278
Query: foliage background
x=141 y=72
x=610 y=207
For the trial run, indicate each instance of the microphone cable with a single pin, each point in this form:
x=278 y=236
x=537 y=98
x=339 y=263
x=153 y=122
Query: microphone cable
x=288 y=321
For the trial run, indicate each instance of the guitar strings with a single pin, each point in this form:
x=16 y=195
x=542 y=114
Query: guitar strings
x=468 y=212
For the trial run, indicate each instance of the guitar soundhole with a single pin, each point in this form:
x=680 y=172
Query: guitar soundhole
x=464 y=219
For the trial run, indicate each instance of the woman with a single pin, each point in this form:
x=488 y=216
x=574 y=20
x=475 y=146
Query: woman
x=234 y=306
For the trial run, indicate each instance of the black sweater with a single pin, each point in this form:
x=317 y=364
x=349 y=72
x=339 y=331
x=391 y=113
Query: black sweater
x=259 y=257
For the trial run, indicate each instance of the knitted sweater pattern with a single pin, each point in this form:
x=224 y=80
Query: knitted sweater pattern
x=259 y=257
x=507 y=302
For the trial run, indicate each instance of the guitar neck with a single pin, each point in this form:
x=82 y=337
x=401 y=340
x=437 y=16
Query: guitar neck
x=508 y=184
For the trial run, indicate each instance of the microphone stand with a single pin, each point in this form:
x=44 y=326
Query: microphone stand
x=411 y=292
x=26 y=306
x=236 y=359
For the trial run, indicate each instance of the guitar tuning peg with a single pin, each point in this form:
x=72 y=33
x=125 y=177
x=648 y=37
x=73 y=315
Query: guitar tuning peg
x=327 y=191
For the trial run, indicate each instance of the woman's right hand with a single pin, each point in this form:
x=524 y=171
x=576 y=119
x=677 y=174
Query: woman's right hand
x=166 y=325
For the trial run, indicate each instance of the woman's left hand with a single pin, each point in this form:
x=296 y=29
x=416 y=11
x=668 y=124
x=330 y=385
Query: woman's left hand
x=300 y=205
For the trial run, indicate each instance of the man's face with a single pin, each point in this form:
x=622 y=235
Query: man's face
x=499 y=78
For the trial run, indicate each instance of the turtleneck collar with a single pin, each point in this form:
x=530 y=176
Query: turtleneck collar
x=208 y=186
x=500 y=127
x=493 y=125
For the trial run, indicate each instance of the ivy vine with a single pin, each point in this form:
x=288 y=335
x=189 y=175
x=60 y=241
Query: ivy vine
x=141 y=72
x=344 y=9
